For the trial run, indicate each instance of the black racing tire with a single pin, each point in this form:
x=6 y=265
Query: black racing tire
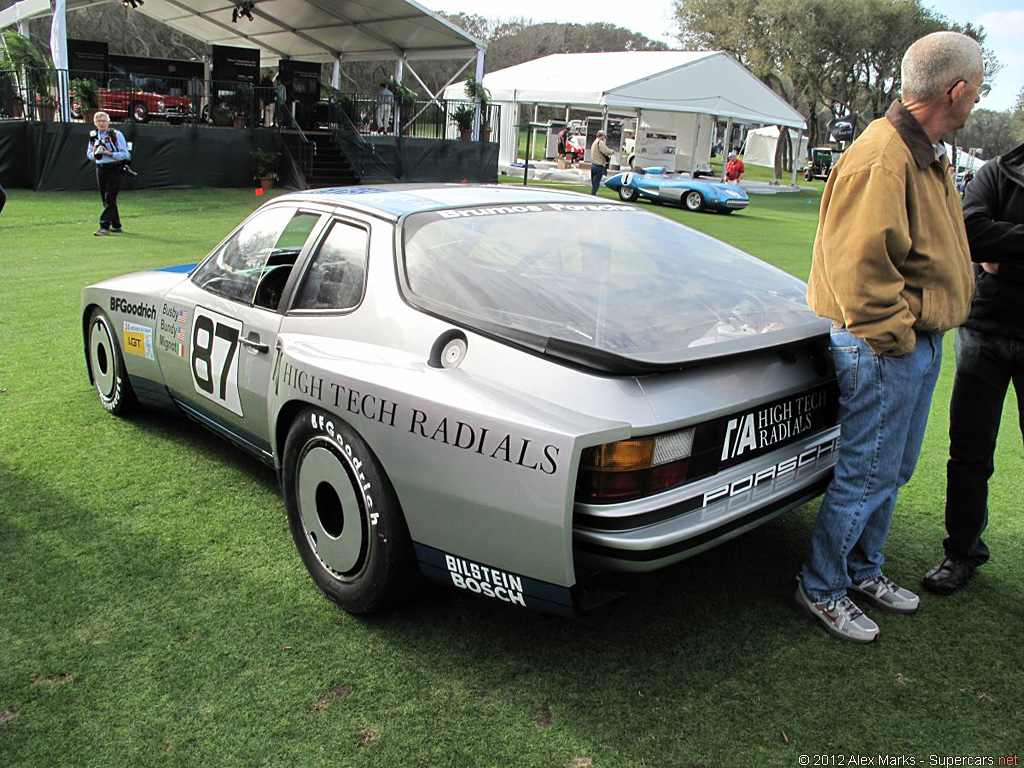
x=140 y=112
x=628 y=194
x=693 y=201
x=345 y=517
x=106 y=366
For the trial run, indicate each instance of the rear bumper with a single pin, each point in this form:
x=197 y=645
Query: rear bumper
x=655 y=532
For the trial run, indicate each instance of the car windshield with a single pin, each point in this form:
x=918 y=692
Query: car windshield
x=599 y=276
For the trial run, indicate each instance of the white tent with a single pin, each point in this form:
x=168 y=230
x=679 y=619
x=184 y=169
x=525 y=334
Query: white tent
x=634 y=82
x=759 y=148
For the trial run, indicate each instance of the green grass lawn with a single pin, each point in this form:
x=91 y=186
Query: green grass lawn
x=153 y=610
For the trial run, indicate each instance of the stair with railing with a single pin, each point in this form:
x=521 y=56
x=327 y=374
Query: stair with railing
x=320 y=159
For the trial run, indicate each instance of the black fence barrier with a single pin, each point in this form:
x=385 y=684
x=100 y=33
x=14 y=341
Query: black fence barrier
x=400 y=159
x=51 y=156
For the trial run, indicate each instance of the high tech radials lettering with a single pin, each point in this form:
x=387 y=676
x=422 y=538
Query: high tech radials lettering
x=173 y=330
x=138 y=340
x=126 y=307
x=777 y=470
x=215 y=358
x=501 y=446
x=485 y=581
x=359 y=403
x=770 y=425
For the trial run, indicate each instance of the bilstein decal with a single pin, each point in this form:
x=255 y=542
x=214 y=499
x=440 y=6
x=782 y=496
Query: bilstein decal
x=473 y=438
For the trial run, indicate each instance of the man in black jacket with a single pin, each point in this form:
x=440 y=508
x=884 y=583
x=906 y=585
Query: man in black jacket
x=989 y=355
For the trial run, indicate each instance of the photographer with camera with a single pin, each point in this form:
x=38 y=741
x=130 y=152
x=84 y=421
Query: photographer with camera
x=108 y=149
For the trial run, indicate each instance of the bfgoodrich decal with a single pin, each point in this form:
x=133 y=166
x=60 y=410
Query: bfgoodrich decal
x=129 y=307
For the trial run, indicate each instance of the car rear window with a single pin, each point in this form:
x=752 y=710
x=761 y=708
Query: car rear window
x=602 y=275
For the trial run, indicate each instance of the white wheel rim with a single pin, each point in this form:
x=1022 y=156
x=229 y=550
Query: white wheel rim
x=332 y=514
x=101 y=356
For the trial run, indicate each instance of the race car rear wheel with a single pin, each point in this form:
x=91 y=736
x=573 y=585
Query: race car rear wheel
x=345 y=517
x=628 y=194
x=106 y=364
x=694 y=200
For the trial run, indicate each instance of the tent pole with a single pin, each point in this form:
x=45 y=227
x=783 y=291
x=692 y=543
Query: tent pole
x=479 y=79
x=336 y=74
x=799 y=141
x=726 y=145
x=399 y=74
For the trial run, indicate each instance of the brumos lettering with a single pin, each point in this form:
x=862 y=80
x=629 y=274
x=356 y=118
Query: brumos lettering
x=485 y=581
x=770 y=425
x=125 y=307
x=496 y=211
x=779 y=469
x=325 y=425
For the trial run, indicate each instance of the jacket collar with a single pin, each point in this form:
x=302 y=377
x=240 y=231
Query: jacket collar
x=912 y=133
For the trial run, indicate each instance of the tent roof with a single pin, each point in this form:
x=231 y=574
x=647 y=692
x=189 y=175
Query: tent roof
x=709 y=82
x=312 y=30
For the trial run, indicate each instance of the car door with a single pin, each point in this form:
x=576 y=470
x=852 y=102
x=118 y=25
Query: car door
x=226 y=320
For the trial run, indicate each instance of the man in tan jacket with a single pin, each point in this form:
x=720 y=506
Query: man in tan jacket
x=892 y=270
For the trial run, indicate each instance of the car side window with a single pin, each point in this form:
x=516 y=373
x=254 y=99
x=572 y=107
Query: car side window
x=252 y=267
x=337 y=275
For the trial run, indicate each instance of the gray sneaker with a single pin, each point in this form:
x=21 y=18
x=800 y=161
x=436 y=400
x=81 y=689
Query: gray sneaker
x=840 y=618
x=885 y=593
x=101 y=232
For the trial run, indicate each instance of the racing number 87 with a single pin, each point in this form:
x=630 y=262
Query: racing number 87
x=215 y=359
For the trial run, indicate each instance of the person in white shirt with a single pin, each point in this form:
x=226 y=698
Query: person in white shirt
x=107 y=149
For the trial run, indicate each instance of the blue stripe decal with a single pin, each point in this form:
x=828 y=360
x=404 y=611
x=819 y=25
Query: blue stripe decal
x=182 y=268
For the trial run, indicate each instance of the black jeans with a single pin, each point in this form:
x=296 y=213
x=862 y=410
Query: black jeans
x=985 y=365
x=108 y=179
x=596 y=174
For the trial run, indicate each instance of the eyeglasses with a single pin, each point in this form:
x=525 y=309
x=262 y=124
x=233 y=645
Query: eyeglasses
x=983 y=90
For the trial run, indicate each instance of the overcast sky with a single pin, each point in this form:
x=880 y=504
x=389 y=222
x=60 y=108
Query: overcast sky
x=1003 y=21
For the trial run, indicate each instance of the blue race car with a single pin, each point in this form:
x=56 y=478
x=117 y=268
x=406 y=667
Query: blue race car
x=661 y=186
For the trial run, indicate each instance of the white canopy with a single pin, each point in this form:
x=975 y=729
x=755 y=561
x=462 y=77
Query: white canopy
x=759 y=148
x=705 y=82
x=308 y=30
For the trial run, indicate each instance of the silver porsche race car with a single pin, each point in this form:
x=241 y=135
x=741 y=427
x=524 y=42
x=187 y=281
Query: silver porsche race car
x=502 y=389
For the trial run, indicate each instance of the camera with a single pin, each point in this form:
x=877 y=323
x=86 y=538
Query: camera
x=127 y=170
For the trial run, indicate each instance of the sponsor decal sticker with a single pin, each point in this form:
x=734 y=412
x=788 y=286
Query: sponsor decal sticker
x=130 y=307
x=503 y=210
x=138 y=340
x=475 y=439
x=773 y=424
x=215 y=358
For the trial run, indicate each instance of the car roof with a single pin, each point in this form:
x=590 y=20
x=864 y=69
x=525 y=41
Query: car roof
x=395 y=200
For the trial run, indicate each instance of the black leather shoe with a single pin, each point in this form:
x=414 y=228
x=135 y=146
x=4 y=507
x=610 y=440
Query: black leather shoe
x=948 y=576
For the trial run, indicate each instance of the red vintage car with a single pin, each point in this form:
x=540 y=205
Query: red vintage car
x=121 y=100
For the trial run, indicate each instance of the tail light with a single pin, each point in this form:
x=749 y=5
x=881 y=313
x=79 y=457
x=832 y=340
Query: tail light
x=630 y=469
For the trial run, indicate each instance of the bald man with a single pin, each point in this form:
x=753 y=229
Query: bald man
x=891 y=269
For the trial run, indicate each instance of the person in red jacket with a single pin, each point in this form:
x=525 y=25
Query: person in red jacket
x=734 y=169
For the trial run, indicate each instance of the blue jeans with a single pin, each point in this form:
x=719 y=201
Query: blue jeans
x=985 y=366
x=885 y=402
x=596 y=174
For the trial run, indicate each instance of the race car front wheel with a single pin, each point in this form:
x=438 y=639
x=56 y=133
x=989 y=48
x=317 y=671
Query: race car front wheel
x=628 y=194
x=106 y=364
x=693 y=201
x=345 y=517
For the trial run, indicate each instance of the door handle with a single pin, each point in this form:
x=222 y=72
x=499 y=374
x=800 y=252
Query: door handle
x=252 y=343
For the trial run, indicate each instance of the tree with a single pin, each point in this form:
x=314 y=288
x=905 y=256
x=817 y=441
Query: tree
x=994 y=132
x=825 y=57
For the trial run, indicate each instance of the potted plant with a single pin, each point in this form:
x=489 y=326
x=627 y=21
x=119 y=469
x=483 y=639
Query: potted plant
x=475 y=90
x=239 y=118
x=463 y=116
x=266 y=163
x=85 y=98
